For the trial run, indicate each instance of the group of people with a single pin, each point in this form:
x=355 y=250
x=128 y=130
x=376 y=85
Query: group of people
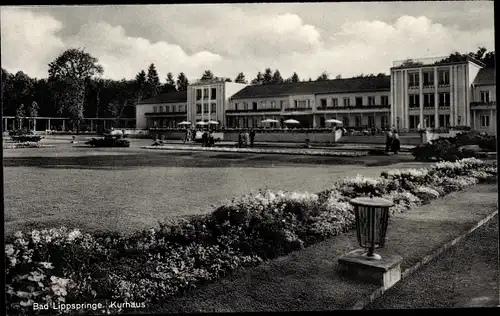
x=392 y=142
x=246 y=137
x=207 y=139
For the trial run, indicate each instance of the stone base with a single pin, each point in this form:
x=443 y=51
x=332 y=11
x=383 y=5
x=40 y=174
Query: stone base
x=385 y=272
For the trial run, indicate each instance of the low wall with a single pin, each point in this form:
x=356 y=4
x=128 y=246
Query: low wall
x=380 y=140
x=275 y=137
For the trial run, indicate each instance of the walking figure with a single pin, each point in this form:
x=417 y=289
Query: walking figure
x=252 y=137
x=396 y=144
x=388 y=141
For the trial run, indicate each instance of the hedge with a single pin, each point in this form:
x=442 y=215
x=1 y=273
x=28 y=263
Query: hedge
x=62 y=266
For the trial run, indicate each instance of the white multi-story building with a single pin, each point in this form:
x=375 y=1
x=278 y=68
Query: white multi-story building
x=425 y=93
x=207 y=100
x=356 y=102
x=432 y=93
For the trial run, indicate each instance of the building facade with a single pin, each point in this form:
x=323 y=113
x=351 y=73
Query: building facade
x=424 y=93
x=484 y=101
x=429 y=93
x=163 y=110
x=207 y=100
x=355 y=101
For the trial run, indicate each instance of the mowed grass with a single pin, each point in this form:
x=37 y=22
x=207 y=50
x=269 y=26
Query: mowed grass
x=128 y=189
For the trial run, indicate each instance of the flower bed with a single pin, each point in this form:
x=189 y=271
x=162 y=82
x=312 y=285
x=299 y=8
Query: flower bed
x=63 y=266
x=297 y=151
x=25 y=145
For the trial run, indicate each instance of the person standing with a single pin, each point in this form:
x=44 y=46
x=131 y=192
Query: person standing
x=252 y=137
x=240 y=139
x=186 y=136
x=396 y=144
x=388 y=141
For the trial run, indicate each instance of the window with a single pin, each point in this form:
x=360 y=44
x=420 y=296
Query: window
x=371 y=121
x=371 y=100
x=384 y=121
x=254 y=105
x=444 y=99
x=357 y=121
x=161 y=109
x=323 y=103
x=308 y=104
x=384 y=100
x=198 y=94
x=345 y=121
x=273 y=104
x=413 y=79
x=282 y=104
x=213 y=95
x=347 y=102
x=301 y=104
x=429 y=100
x=335 y=102
x=428 y=79
x=155 y=109
x=414 y=100
x=430 y=121
x=414 y=121
x=444 y=121
x=444 y=77
x=205 y=108
x=213 y=107
x=485 y=96
x=236 y=106
x=359 y=101
x=485 y=121
x=198 y=108
x=262 y=104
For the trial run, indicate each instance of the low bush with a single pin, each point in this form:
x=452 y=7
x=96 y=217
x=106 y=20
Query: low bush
x=455 y=148
x=63 y=266
x=108 y=142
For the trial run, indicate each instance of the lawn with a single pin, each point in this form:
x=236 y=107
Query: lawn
x=127 y=189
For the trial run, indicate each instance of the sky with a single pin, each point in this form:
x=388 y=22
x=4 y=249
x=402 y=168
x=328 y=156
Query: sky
x=307 y=38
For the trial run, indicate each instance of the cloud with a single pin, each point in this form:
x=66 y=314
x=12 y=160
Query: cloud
x=28 y=41
x=230 y=39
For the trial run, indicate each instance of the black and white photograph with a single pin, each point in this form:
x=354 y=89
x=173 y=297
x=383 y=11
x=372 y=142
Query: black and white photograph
x=249 y=157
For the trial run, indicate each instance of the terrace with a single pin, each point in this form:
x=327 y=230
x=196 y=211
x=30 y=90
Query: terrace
x=444 y=60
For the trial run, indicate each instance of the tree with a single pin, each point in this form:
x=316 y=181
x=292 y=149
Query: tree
x=489 y=59
x=295 y=78
x=207 y=75
x=20 y=114
x=140 y=85
x=323 y=76
x=228 y=80
x=152 y=81
x=240 y=78
x=277 y=77
x=182 y=82
x=169 y=86
x=268 y=76
x=259 y=79
x=69 y=73
x=32 y=111
x=338 y=77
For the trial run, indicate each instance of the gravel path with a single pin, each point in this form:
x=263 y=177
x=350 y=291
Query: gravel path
x=464 y=276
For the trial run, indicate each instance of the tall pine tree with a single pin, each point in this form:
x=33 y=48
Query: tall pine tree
x=182 y=82
x=277 y=77
x=268 y=76
x=240 y=78
x=153 y=81
x=259 y=79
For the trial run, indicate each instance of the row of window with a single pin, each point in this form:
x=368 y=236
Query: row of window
x=206 y=108
x=250 y=121
x=384 y=100
x=169 y=108
x=306 y=104
x=444 y=99
x=444 y=121
x=428 y=78
x=204 y=94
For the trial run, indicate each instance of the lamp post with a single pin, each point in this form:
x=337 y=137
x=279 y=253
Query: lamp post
x=372 y=217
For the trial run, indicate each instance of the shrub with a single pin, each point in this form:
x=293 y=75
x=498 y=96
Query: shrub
x=61 y=265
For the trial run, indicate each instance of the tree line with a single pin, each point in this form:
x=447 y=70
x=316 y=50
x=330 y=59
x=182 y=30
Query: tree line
x=74 y=87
